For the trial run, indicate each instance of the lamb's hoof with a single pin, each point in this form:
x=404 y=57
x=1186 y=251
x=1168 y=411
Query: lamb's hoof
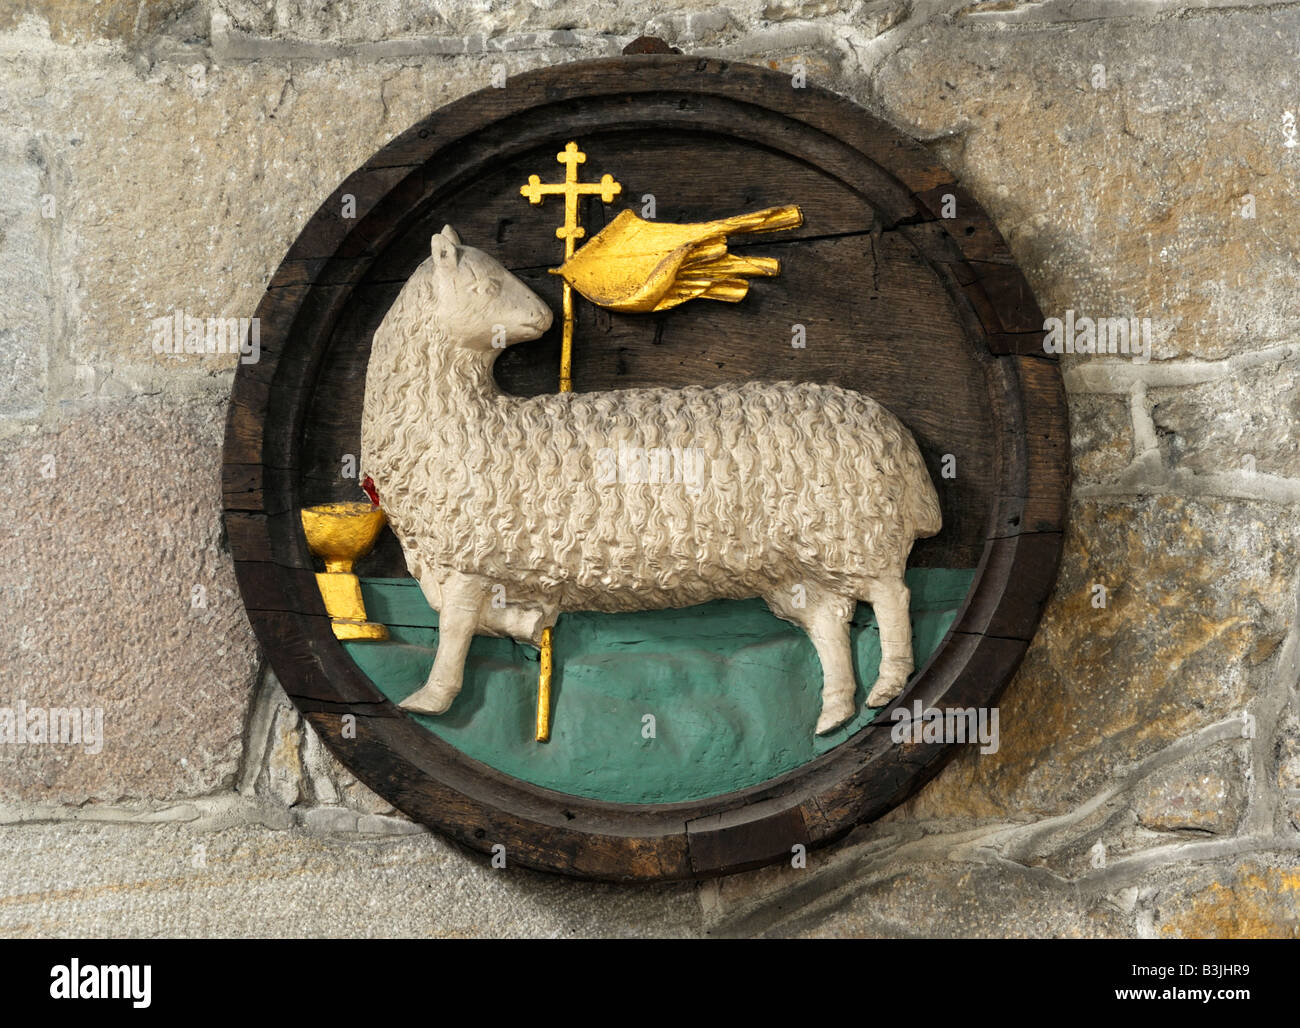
x=833 y=717
x=884 y=692
x=427 y=701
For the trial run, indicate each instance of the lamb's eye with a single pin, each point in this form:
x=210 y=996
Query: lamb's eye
x=486 y=287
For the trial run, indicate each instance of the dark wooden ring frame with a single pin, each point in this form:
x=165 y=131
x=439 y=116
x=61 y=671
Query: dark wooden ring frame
x=476 y=805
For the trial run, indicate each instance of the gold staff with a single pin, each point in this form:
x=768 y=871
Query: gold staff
x=570 y=232
x=636 y=266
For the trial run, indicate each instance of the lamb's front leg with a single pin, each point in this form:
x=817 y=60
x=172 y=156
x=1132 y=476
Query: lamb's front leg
x=463 y=599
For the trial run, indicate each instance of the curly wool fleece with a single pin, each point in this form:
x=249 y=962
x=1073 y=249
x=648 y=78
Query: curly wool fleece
x=809 y=496
x=791 y=482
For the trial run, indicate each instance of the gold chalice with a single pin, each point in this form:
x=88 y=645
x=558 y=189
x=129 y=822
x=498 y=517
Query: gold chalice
x=341 y=534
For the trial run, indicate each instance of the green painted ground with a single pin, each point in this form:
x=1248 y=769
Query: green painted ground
x=734 y=690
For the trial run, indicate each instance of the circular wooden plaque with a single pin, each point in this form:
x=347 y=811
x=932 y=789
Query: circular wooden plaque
x=928 y=314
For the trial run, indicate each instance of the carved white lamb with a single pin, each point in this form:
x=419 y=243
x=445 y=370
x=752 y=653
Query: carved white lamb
x=510 y=510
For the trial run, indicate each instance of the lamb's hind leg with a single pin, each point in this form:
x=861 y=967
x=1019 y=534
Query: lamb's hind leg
x=463 y=598
x=826 y=620
x=891 y=601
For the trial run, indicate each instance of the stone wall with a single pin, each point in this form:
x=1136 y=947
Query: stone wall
x=157 y=156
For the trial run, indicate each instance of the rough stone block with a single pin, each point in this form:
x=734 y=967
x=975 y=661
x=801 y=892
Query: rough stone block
x=95 y=880
x=239 y=157
x=1120 y=180
x=29 y=212
x=1241 y=422
x=1193 y=589
x=80 y=22
x=1101 y=436
x=977 y=902
x=119 y=595
x=1257 y=897
x=1205 y=793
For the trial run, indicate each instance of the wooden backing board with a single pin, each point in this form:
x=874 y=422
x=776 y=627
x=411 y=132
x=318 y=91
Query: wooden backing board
x=928 y=315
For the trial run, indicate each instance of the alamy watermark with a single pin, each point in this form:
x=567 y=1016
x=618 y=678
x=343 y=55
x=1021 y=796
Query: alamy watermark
x=652 y=465
x=75 y=980
x=22 y=725
x=1129 y=336
x=180 y=334
x=948 y=725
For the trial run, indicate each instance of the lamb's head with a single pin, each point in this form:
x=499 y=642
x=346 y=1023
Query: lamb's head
x=484 y=306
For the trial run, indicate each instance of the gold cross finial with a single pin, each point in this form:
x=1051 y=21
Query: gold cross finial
x=536 y=191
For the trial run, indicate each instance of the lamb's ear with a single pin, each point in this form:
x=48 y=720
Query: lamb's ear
x=445 y=246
